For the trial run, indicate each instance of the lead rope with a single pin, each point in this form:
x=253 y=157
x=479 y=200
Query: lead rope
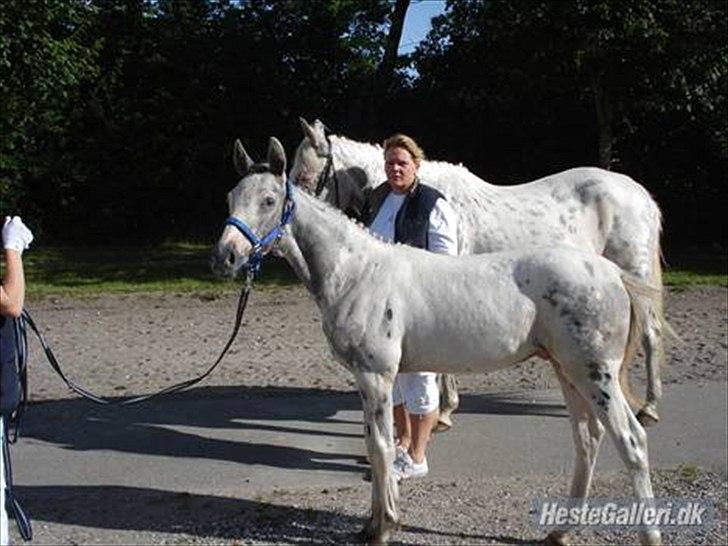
x=242 y=302
x=12 y=505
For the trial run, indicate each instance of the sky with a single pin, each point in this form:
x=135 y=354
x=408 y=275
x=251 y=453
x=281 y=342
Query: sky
x=417 y=23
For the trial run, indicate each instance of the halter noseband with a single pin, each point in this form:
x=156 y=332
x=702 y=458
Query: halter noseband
x=255 y=257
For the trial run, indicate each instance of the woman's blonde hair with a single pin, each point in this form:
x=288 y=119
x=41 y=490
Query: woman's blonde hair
x=408 y=143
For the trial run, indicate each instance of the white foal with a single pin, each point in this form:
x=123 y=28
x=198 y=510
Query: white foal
x=389 y=308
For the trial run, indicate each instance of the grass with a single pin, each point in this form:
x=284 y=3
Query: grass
x=183 y=267
x=178 y=267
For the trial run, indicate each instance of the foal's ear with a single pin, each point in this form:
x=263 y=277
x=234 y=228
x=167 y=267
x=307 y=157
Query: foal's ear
x=241 y=159
x=276 y=157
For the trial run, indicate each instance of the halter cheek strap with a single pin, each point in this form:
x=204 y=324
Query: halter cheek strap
x=255 y=257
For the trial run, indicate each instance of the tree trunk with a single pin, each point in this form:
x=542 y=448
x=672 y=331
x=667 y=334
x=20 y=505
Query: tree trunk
x=383 y=76
x=386 y=68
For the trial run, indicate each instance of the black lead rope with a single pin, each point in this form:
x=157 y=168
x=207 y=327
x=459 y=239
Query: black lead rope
x=242 y=302
x=12 y=505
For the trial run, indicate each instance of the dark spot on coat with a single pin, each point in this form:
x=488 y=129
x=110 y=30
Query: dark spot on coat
x=605 y=394
x=550 y=296
x=632 y=442
x=388 y=313
x=595 y=376
x=607 y=375
x=389 y=334
x=589 y=268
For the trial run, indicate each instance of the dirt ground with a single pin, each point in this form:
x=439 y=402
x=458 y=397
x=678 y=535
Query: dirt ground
x=124 y=345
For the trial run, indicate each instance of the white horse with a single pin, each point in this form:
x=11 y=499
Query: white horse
x=382 y=308
x=588 y=208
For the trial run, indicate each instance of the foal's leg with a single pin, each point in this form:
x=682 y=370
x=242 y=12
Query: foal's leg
x=376 y=393
x=605 y=397
x=588 y=433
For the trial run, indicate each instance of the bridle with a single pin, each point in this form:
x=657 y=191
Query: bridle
x=260 y=245
x=326 y=175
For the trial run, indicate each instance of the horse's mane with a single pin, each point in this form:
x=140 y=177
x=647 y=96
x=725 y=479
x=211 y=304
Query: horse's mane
x=363 y=151
x=339 y=216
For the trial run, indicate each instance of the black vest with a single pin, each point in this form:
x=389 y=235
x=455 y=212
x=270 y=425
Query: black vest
x=413 y=218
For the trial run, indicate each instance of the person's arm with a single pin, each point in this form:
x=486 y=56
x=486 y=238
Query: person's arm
x=442 y=235
x=16 y=237
x=12 y=290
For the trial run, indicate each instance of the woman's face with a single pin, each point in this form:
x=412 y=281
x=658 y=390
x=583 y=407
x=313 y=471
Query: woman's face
x=400 y=168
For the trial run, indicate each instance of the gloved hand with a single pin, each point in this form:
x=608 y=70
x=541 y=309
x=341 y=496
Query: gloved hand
x=16 y=236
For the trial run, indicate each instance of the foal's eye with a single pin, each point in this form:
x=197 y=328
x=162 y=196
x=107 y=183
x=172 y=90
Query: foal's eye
x=269 y=201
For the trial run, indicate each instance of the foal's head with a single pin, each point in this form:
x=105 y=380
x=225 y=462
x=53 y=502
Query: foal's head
x=256 y=203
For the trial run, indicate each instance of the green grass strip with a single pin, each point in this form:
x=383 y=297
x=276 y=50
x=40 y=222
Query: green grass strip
x=184 y=268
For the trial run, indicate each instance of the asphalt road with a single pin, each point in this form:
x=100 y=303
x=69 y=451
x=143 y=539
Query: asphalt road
x=240 y=441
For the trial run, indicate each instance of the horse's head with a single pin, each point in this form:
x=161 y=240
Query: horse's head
x=259 y=206
x=311 y=157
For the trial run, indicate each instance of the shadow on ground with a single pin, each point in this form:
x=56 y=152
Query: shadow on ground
x=208 y=516
x=147 y=428
x=170 y=426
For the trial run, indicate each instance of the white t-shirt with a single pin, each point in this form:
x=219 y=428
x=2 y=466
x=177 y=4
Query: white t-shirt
x=441 y=235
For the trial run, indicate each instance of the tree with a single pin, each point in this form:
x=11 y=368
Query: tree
x=46 y=51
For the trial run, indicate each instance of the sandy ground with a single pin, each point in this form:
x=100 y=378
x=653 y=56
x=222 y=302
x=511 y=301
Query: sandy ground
x=129 y=345
x=132 y=344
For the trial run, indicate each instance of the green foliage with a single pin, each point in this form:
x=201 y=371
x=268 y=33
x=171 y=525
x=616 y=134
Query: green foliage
x=46 y=50
x=117 y=117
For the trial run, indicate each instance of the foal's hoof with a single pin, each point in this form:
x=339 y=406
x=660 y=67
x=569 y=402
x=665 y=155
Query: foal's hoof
x=556 y=538
x=648 y=416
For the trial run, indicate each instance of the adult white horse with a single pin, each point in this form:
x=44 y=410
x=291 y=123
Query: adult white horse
x=588 y=208
x=382 y=308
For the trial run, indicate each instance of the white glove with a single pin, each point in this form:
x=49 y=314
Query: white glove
x=16 y=236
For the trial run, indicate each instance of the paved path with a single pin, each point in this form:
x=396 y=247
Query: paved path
x=240 y=441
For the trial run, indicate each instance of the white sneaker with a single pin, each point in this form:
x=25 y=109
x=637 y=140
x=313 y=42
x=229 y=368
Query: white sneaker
x=406 y=468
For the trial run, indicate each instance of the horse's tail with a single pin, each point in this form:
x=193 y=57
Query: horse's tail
x=645 y=303
x=658 y=329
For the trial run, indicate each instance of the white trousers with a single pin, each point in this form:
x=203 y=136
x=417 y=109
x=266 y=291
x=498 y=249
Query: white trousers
x=417 y=391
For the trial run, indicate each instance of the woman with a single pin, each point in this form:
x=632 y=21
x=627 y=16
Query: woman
x=404 y=210
x=16 y=237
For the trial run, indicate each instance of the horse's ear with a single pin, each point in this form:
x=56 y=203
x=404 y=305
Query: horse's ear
x=276 y=157
x=309 y=132
x=241 y=159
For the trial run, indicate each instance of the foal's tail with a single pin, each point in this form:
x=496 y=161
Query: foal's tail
x=645 y=305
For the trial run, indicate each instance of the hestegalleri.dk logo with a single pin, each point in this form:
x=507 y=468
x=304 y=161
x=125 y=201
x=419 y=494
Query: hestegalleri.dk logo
x=633 y=513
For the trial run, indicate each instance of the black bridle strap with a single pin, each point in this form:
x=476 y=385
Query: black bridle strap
x=326 y=175
x=242 y=302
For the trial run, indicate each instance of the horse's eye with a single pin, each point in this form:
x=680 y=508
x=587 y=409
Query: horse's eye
x=269 y=201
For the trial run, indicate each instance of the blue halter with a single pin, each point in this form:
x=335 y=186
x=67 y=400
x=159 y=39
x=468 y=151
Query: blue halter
x=259 y=244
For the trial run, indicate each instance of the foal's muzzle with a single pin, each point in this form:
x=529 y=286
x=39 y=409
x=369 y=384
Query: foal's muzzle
x=226 y=260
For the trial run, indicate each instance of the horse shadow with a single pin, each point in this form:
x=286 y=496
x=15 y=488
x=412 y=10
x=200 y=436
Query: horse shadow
x=155 y=427
x=121 y=508
x=160 y=427
x=151 y=428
